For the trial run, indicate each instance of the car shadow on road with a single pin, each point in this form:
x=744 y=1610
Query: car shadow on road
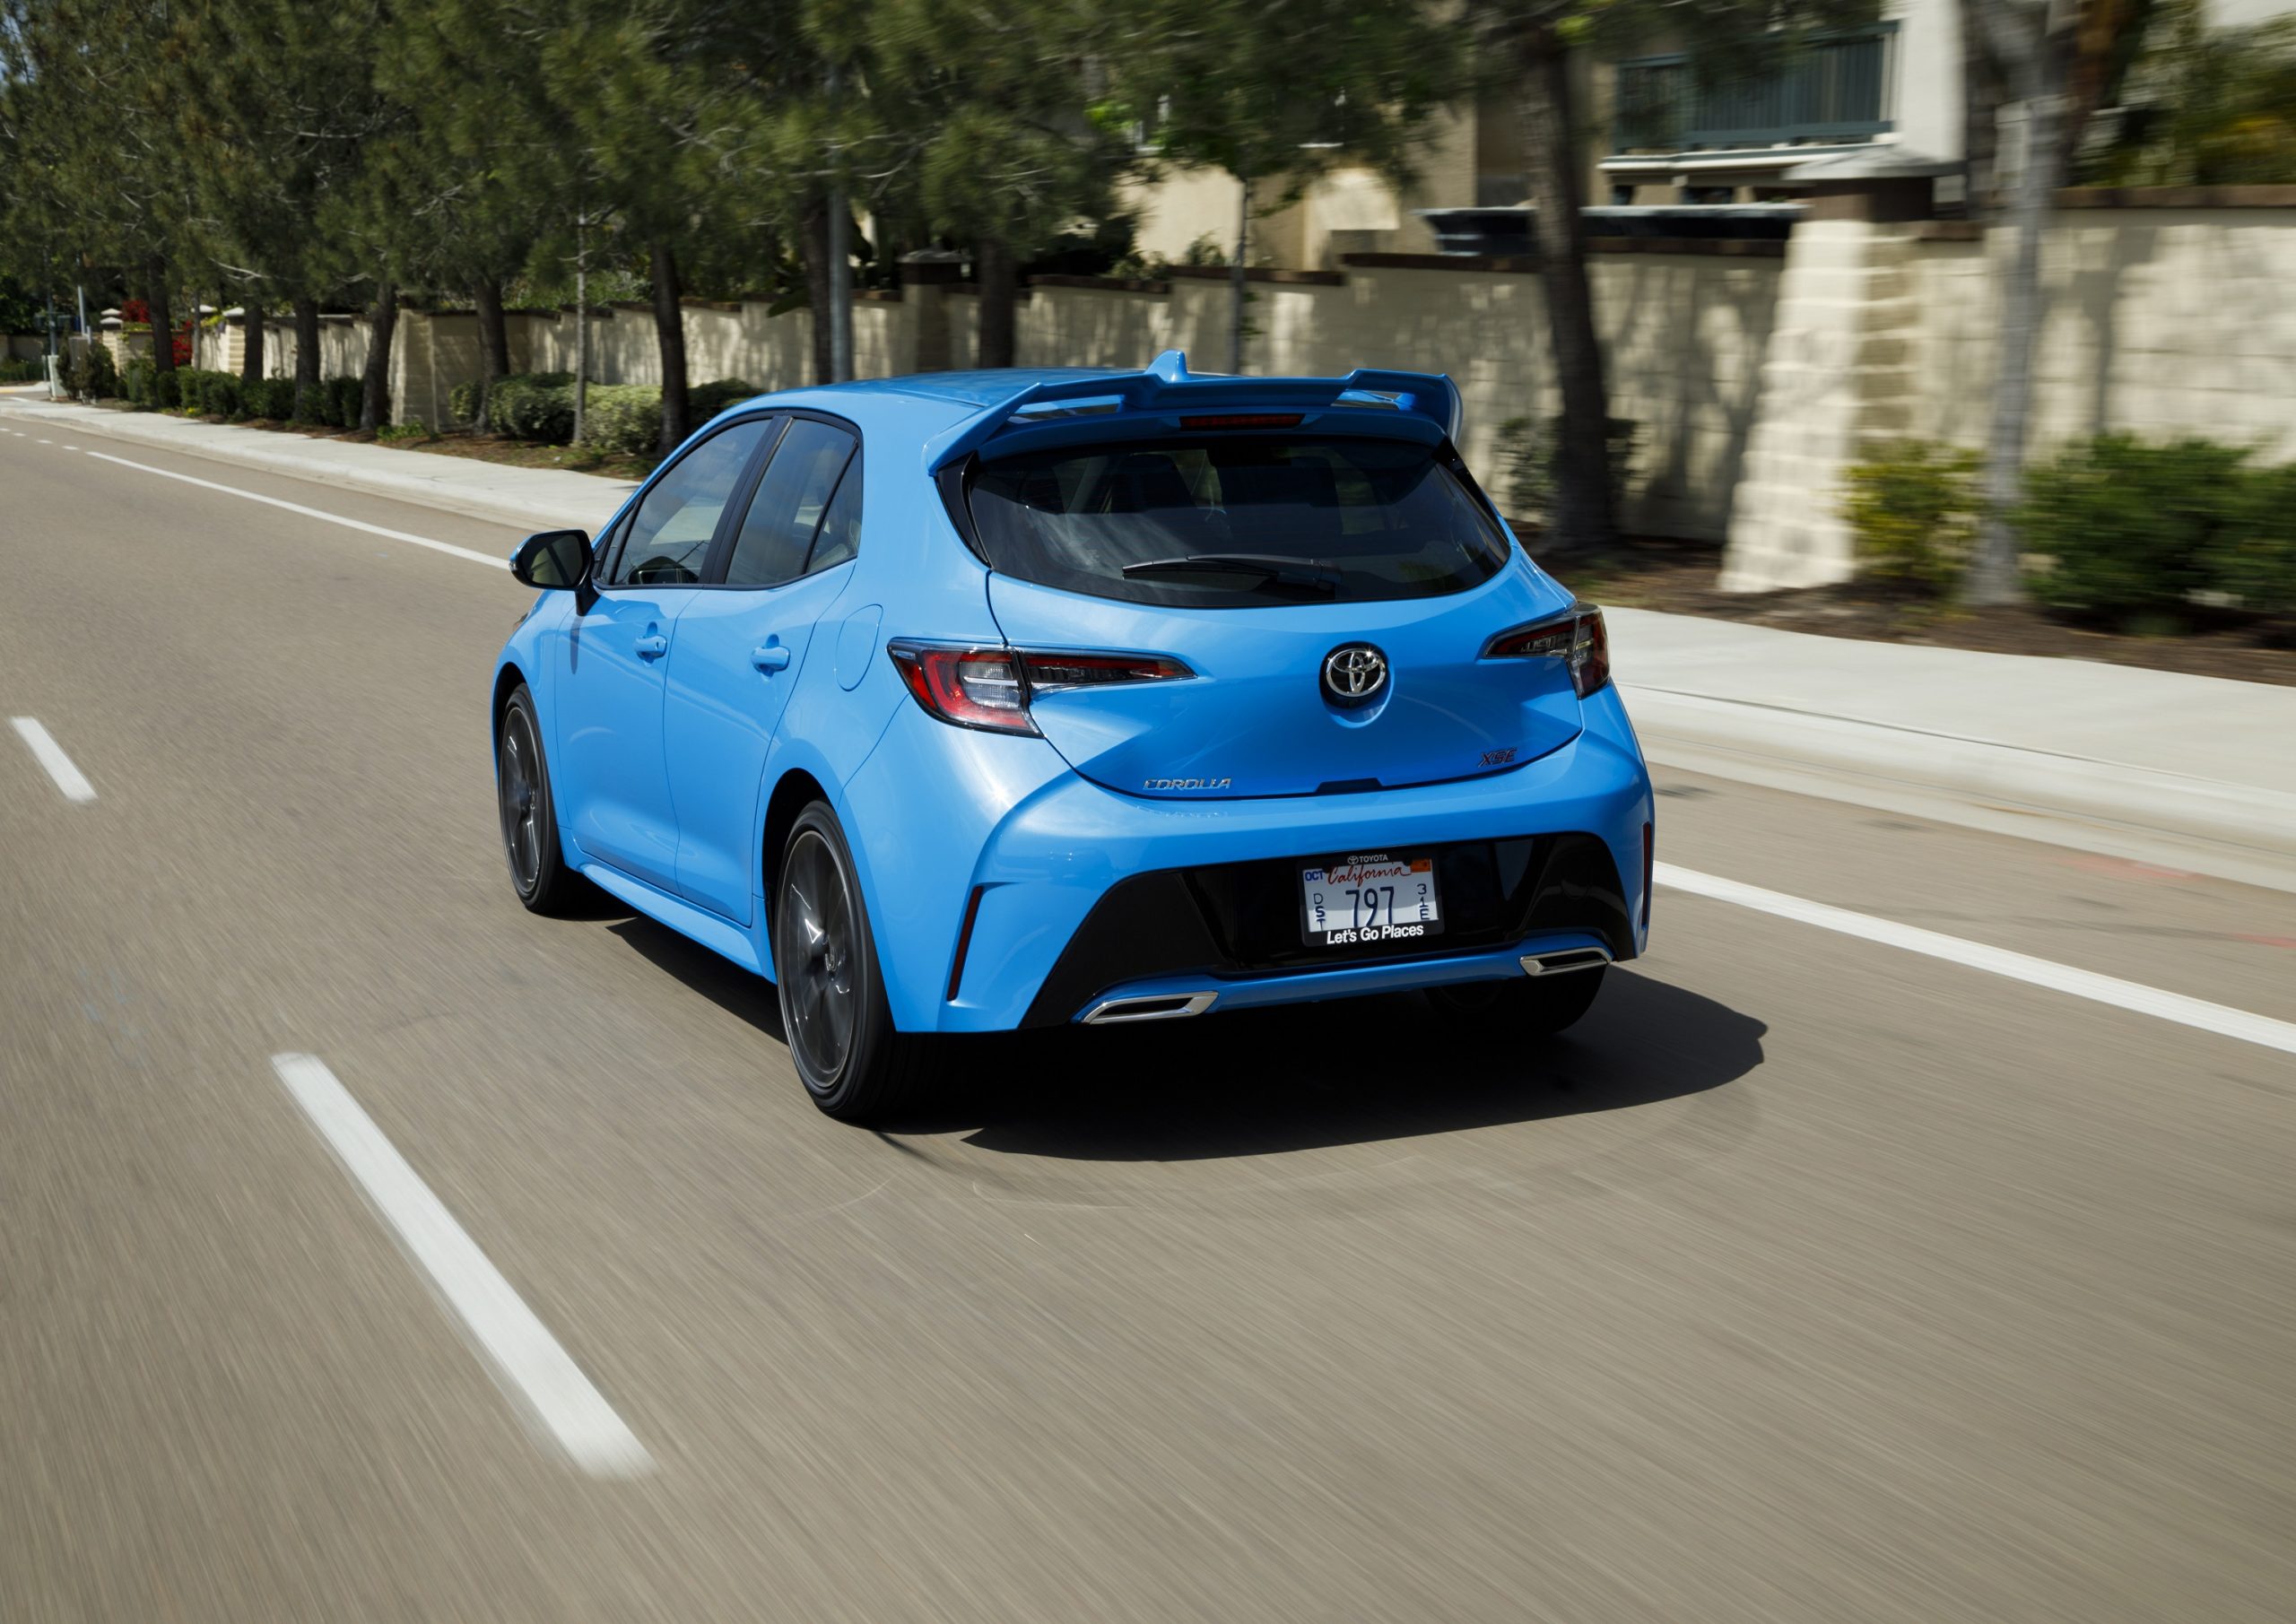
x=1313 y=1076
x=1297 y=1078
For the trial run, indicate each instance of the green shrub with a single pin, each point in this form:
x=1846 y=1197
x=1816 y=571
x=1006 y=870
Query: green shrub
x=342 y=401
x=23 y=371
x=136 y=381
x=399 y=433
x=535 y=406
x=91 y=373
x=221 y=396
x=273 y=398
x=464 y=400
x=1913 y=512
x=167 y=389
x=624 y=419
x=2127 y=529
x=1526 y=465
x=708 y=400
x=2254 y=560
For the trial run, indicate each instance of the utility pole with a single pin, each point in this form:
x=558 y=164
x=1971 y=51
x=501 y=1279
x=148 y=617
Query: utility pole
x=581 y=317
x=840 y=270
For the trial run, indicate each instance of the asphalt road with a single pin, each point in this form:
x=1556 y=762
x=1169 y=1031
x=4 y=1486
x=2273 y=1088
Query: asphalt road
x=1807 y=1278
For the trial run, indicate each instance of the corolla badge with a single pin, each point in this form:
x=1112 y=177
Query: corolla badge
x=1354 y=673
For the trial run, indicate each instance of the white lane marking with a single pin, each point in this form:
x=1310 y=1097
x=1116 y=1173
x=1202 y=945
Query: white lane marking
x=47 y=442
x=49 y=754
x=2131 y=995
x=315 y=513
x=71 y=447
x=527 y=1359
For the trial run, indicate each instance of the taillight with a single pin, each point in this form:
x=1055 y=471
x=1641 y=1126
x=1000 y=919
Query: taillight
x=990 y=688
x=1577 y=637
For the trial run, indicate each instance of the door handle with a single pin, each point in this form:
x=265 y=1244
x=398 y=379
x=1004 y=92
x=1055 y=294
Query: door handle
x=652 y=647
x=770 y=657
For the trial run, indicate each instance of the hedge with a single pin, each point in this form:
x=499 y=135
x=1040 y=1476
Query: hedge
x=621 y=419
x=2116 y=529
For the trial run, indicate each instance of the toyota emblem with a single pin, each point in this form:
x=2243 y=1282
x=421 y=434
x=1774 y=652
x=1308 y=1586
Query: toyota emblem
x=1354 y=673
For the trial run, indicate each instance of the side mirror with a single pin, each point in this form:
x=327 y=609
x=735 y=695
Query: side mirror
x=555 y=559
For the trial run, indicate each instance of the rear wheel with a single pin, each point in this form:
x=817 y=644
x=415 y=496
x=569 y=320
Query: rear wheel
x=538 y=870
x=1534 y=1007
x=834 y=1010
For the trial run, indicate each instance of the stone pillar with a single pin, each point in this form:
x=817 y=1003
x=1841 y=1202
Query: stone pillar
x=1837 y=381
x=926 y=278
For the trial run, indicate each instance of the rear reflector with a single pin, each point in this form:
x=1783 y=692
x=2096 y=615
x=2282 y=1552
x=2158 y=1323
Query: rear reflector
x=964 y=940
x=1243 y=420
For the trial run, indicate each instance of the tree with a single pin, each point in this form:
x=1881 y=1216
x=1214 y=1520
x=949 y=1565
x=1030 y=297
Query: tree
x=99 y=175
x=1006 y=154
x=1273 y=94
x=1532 y=48
x=2054 y=59
x=2203 y=107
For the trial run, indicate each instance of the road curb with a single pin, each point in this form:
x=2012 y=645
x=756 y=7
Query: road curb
x=300 y=459
x=2235 y=831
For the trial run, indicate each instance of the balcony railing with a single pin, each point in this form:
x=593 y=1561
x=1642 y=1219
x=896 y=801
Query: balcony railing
x=1831 y=90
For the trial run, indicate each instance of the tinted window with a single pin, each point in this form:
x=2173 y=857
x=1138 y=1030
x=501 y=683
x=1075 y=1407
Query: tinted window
x=839 y=536
x=670 y=532
x=778 y=531
x=1220 y=523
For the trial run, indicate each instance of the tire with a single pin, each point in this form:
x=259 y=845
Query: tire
x=834 y=1011
x=1534 y=1006
x=528 y=811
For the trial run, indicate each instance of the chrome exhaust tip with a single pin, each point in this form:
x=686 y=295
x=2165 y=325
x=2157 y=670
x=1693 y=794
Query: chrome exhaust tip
x=1564 y=959
x=1150 y=1007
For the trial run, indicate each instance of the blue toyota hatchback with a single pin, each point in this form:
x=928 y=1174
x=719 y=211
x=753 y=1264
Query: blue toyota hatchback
x=973 y=701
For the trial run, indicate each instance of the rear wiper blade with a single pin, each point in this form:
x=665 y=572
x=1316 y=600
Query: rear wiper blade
x=1268 y=568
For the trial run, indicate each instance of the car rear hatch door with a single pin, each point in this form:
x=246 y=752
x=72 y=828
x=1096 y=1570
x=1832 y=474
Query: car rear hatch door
x=1260 y=715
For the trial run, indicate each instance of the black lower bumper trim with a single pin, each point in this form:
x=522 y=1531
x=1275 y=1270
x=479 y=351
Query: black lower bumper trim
x=1231 y=920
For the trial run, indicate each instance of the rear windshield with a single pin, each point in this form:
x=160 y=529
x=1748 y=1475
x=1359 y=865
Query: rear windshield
x=1235 y=522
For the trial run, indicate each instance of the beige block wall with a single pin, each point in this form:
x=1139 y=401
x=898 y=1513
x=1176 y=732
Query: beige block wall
x=2161 y=321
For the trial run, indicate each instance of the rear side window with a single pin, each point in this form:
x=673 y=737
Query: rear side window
x=1221 y=522
x=777 y=534
x=670 y=534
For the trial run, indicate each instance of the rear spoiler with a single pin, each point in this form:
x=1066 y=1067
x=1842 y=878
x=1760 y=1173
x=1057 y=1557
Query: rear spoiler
x=1167 y=386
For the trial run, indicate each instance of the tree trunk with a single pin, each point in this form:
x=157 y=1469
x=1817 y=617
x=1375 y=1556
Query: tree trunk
x=812 y=248
x=1239 y=282
x=251 y=358
x=307 y=358
x=669 y=334
x=1000 y=297
x=2038 y=82
x=494 y=347
x=1582 y=515
x=375 y=393
x=1981 y=99
x=163 y=337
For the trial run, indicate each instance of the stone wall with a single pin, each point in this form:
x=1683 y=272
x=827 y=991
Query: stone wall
x=1757 y=372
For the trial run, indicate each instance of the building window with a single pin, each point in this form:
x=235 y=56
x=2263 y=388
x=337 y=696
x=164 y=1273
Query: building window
x=1835 y=90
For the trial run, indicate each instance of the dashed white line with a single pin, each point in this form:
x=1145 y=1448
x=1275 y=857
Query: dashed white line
x=49 y=754
x=2131 y=995
x=316 y=513
x=526 y=1359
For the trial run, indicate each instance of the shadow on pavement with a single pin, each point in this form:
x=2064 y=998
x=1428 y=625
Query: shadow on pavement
x=1318 y=1075
x=1267 y=1081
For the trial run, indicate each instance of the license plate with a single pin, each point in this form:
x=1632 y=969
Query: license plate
x=1370 y=898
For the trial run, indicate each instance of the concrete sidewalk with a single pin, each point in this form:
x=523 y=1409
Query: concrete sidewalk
x=2158 y=767
x=2192 y=772
x=533 y=499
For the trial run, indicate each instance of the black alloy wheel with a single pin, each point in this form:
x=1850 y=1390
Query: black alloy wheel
x=834 y=1011
x=529 y=819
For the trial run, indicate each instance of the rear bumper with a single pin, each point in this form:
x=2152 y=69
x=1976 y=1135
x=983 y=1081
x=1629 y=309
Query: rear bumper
x=1046 y=849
